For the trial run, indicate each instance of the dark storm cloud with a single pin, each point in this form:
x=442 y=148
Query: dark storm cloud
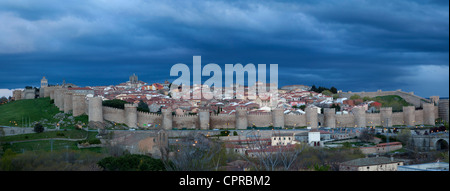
x=352 y=45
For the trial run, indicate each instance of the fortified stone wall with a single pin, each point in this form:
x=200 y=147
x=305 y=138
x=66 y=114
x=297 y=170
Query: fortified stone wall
x=295 y=120
x=149 y=118
x=186 y=121
x=113 y=114
x=418 y=116
x=222 y=121
x=345 y=120
x=397 y=118
x=373 y=119
x=79 y=105
x=260 y=120
x=68 y=105
x=92 y=106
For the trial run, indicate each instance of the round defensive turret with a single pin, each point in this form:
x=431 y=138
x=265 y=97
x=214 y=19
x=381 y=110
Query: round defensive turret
x=131 y=115
x=167 y=120
x=203 y=117
x=311 y=117
x=241 y=118
x=428 y=114
x=386 y=116
x=68 y=104
x=330 y=119
x=79 y=104
x=278 y=117
x=409 y=116
x=95 y=109
x=59 y=98
x=360 y=116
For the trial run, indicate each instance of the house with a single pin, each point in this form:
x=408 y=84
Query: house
x=371 y=164
x=282 y=139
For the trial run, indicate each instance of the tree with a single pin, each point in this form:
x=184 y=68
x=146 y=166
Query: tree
x=3 y=100
x=404 y=136
x=115 y=103
x=38 y=128
x=355 y=96
x=365 y=136
x=313 y=88
x=327 y=93
x=366 y=98
x=131 y=162
x=336 y=106
x=195 y=152
x=333 y=90
x=302 y=107
x=142 y=106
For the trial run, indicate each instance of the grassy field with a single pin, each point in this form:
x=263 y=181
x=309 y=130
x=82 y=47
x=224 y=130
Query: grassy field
x=69 y=134
x=394 y=101
x=34 y=144
x=20 y=113
x=33 y=109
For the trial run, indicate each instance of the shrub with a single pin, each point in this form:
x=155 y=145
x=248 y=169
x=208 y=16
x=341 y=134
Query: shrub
x=38 y=128
x=60 y=134
x=131 y=162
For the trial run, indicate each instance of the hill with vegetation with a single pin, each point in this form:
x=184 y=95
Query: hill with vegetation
x=26 y=113
x=394 y=101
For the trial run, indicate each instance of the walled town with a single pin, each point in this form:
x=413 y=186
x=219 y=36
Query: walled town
x=147 y=120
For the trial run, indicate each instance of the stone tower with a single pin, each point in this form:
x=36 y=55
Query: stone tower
x=409 y=116
x=59 y=98
x=434 y=100
x=386 y=116
x=203 y=117
x=167 y=118
x=311 y=117
x=95 y=109
x=17 y=94
x=68 y=104
x=428 y=114
x=278 y=117
x=79 y=104
x=241 y=118
x=443 y=110
x=360 y=116
x=330 y=119
x=44 y=82
x=131 y=115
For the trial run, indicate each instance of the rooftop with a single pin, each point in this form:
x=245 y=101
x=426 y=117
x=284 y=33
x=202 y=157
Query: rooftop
x=370 y=161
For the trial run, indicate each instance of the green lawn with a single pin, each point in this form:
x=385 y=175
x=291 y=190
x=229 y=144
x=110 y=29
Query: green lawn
x=46 y=145
x=13 y=113
x=72 y=134
x=394 y=101
x=20 y=113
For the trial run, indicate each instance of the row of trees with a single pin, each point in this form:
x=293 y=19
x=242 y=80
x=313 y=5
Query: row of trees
x=120 y=104
x=321 y=89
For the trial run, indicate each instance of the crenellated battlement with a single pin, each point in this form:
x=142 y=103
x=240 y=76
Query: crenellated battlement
x=242 y=118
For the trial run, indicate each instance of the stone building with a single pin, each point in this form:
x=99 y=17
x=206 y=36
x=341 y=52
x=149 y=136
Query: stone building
x=371 y=164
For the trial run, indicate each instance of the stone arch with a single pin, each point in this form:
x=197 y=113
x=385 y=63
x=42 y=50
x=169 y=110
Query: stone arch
x=441 y=144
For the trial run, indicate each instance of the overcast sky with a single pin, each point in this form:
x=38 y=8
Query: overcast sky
x=351 y=45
